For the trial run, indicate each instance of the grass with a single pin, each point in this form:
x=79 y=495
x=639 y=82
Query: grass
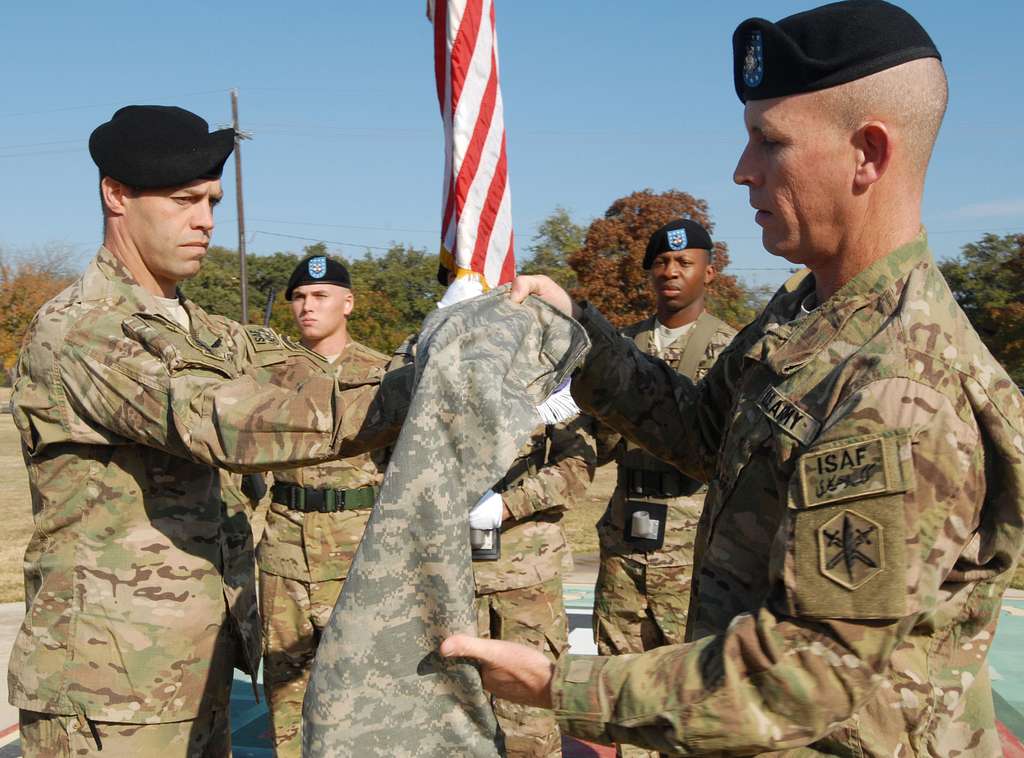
x=15 y=507
x=16 y=510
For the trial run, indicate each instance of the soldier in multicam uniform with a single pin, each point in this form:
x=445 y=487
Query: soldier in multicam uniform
x=866 y=451
x=317 y=513
x=519 y=595
x=130 y=401
x=643 y=586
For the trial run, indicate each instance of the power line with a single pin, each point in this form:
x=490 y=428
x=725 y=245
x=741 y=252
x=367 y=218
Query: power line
x=347 y=226
x=319 y=239
x=107 y=105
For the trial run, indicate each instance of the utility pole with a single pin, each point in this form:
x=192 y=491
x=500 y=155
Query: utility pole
x=242 y=272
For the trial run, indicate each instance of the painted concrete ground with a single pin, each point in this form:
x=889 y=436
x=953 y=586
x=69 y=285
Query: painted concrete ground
x=249 y=719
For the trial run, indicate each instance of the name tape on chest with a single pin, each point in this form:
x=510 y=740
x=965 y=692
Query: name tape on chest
x=854 y=469
x=786 y=415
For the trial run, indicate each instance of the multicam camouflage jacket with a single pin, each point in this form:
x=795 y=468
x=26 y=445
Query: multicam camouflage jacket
x=125 y=419
x=864 y=519
x=379 y=687
x=550 y=473
x=633 y=461
x=317 y=547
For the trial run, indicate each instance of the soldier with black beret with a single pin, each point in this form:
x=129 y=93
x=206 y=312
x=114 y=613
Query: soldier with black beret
x=642 y=595
x=863 y=448
x=317 y=513
x=133 y=406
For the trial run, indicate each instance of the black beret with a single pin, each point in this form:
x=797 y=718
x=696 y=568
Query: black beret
x=318 y=269
x=681 y=234
x=152 y=146
x=824 y=47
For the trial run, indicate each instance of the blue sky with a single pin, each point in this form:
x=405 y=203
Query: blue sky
x=601 y=99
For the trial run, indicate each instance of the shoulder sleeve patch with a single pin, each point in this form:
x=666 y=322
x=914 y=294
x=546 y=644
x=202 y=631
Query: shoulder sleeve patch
x=855 y=468
x=262 y=338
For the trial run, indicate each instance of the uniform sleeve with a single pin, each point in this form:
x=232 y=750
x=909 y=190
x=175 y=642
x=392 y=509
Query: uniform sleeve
x=567 y=472
x=879 y=509
x=167 y=393
x=647 y=401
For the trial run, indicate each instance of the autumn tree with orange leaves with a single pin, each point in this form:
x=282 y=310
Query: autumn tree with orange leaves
x=26 y=283
x=609 y=266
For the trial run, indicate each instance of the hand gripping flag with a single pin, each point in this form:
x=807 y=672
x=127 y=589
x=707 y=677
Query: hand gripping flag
x=476 y=225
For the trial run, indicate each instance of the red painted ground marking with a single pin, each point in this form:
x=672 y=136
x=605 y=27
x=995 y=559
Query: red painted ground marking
x=1012 y=746
x=574 y=748
x=8 y=730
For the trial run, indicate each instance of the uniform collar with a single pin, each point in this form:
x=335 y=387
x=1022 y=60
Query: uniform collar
x=789 y=342
x=108 y=277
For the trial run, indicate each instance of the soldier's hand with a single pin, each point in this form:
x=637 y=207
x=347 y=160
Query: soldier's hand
x=509 y=671
x=544 y=288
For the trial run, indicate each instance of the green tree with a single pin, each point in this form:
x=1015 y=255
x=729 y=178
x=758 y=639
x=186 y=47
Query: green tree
x=394 y=292
x=557 y=238
x=988 y=282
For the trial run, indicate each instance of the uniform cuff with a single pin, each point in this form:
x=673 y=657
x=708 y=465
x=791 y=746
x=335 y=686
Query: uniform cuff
x=518 y=504
x=578 y=701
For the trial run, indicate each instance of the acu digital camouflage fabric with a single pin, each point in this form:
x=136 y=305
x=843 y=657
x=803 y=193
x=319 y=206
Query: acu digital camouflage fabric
x=519 y=596
x=141 y=553
x=641 y=598
x=864 y=518
x=379 y=687
x=304 y=558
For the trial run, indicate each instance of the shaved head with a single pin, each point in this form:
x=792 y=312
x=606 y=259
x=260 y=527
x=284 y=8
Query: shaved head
x=910 y=99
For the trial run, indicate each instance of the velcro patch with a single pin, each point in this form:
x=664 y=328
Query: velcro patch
x=850 y=548
x=262 y=338
x=856 y=468
x=580 y=670
x=850 y=560
x=794 y=421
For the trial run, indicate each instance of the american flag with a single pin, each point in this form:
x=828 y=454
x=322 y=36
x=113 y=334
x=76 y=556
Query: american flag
x=476 y=225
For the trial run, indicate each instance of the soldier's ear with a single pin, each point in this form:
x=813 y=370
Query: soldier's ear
x=710 y=273
x=349 y=304
x=113 y=193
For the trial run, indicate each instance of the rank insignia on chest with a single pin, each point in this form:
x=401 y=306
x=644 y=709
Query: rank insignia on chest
x=677 y=239
x=850 y=549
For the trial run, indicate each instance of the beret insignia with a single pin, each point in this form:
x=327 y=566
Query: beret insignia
x=317 y=267
x=753 y=62
x=677 y=239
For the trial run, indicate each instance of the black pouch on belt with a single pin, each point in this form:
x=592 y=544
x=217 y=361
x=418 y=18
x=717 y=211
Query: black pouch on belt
x=644 y=527
x=485 y=544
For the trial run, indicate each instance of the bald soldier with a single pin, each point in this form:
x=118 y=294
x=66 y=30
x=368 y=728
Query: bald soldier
x=642 y=595
x=317 y=513
x=865 y=449
x=130 y=401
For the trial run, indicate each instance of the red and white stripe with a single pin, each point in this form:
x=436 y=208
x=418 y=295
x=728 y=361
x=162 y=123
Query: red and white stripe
x=476 y=227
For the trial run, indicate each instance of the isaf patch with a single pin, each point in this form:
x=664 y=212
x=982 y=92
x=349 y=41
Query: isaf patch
x=855 y=468
x=850 y=549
